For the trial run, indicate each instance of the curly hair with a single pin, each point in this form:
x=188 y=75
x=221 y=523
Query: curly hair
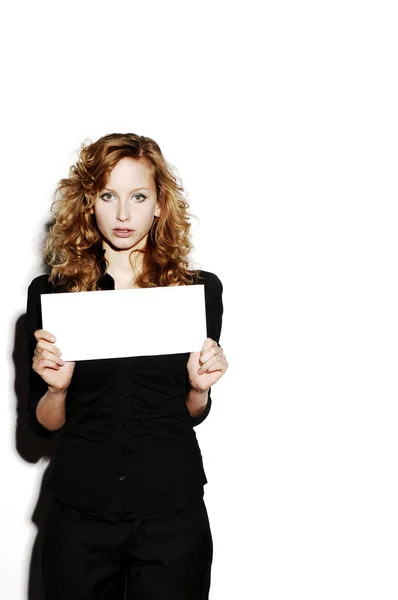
x=73 y=247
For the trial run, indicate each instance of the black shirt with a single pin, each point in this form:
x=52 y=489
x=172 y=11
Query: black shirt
x=128 y=446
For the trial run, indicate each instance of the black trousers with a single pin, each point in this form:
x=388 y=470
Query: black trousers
x=161 y=556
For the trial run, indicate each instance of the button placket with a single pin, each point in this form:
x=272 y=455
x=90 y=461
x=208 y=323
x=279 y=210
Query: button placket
x=120 y=448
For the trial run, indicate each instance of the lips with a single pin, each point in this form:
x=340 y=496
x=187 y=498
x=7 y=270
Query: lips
x=123 y=232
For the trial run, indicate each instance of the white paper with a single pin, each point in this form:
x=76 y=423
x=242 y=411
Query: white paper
x=121 y=323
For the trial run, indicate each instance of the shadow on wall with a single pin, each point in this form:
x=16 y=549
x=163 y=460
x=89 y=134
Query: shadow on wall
x=32 y=449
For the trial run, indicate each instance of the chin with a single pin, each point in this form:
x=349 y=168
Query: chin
x=119 y=244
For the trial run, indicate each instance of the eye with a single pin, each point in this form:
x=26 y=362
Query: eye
x=140 y=197
x=106 y=194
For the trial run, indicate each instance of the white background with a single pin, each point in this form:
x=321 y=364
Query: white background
x=281 y=118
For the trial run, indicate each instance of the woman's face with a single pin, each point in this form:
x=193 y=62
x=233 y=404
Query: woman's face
x=124 y=210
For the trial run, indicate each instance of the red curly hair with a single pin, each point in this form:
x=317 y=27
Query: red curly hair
x=73 y=247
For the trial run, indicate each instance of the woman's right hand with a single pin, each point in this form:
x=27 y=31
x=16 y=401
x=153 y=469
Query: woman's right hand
x=47 y=362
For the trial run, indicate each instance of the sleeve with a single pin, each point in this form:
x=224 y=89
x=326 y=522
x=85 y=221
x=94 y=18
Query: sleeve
x=37 y=387
x=214 y=312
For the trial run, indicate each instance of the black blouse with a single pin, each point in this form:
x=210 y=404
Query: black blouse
x=128 y=446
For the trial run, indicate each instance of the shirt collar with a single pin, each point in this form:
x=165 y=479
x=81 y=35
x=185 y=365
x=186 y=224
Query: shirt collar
x=105 y=280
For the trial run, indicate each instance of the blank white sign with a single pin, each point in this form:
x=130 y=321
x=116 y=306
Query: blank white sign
x=121 y=323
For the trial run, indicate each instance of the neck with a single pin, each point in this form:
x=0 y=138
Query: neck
x=120 y=265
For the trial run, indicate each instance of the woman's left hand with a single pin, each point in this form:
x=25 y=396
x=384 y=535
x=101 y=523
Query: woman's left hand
x=207 y=366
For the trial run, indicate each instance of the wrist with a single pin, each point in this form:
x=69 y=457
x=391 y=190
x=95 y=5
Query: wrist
x=57 y=391
x=196 y=401
x=197 y=390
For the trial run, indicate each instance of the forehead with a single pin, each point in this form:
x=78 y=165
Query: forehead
x=128 y=171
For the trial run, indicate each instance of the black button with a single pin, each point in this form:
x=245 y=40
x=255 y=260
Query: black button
x=122 y=423
x=123 y=368
x=121 y=477
x=121 y=449
x=122 y=396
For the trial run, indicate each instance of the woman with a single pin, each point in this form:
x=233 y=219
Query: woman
x=127 y=477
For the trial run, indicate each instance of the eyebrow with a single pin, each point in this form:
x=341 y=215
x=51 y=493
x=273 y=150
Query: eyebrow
x=135 y=190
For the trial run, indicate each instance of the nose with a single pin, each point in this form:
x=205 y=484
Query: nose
x=123 y=213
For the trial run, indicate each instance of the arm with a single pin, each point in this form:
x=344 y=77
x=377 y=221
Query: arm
x=199 y=403
x=44 y=405
x=50 y=410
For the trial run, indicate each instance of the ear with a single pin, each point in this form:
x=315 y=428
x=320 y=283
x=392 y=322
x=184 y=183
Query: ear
x=157 y=210
x=91 y=211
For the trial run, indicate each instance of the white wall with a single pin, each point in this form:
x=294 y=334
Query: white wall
x=281 y=118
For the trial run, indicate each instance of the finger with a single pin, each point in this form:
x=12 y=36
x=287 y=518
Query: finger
x=43 y=345
x=44 y=363
x=213 y=364
x=43 y=334
x=213 y=351
x=208 y=343
x=51 y=356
